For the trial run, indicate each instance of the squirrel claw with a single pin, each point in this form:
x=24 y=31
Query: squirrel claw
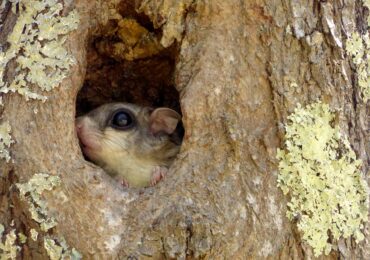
x=123 y=182
x=158 y=173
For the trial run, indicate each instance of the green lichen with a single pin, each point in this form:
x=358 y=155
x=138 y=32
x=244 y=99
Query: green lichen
x=8 y=248
x=22 y=238
x=58 y=249
x=34 y=234
x=5 y=141
x=366 y=3
x=320 y=172
x=2 y=229
x=54 y=251
x=358 y=47
x=32 y=191
x=36 y=45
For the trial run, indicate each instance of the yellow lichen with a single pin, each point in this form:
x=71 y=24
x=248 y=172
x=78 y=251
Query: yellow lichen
x=54 y=251
x=31 y=192
x=8 y=248
x=320 y=172
x=367 y=4
x=36 y=45
x=58 y=249
x=358 y=47
x=5 y=141
x=22 y=238
x=34 y=234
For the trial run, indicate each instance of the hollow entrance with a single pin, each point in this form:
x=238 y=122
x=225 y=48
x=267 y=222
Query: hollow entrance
x=126 y=63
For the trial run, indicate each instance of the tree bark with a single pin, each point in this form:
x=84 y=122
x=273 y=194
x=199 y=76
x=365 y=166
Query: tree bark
x=235 y=66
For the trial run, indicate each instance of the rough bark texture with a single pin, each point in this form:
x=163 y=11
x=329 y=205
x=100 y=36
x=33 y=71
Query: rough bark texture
x=235 y=65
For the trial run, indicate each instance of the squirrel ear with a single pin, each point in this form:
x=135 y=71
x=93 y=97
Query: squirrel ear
x=163 y=120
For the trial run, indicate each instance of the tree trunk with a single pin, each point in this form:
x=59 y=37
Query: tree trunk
x=234 y=66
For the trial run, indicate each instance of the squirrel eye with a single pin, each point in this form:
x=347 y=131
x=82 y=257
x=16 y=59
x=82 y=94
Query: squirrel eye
x=122 y=120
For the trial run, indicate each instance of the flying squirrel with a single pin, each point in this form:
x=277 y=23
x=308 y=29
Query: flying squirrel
x=134 y=144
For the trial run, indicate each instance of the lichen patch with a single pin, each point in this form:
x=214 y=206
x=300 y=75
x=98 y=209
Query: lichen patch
x=36 y=46
x=366 y=3
x=34 y=234
x=8 y=248
x=32 y=191
x=320 y=172
x=59 y=249
x=358 y=48
x=5 y=141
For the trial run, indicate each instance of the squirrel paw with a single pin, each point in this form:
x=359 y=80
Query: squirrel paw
x=123 y=182
x=158 y=173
